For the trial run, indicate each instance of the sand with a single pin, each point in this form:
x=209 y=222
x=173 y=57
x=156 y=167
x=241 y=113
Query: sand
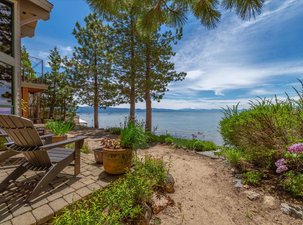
x=205 y=194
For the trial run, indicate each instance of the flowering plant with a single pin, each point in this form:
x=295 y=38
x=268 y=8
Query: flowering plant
x=281 y=166
x=296 y=148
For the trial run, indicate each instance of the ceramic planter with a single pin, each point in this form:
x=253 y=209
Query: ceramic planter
x=117 y=161
x=56 y=139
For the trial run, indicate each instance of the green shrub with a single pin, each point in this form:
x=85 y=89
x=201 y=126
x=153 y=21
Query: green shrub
x=85 y=149
x=252 y=178
x=233 y=156
x=133 y=137
x=162 y=138
x=262 y=158
x=169 y=140
x=114 y=130
x=2 y=142
x=204 y=146
x=121 y=201
x=59 y=127
x=293 y=183
x=267 y=124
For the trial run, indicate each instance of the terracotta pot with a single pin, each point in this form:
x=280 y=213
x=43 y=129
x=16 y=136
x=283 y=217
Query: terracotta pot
x=98 y=155
x=117 y=161
x=56 y=139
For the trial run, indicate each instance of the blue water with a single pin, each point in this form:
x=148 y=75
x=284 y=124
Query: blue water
x=202 y=124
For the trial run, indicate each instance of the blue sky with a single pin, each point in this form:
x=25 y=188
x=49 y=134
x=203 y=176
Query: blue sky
x=237 y=61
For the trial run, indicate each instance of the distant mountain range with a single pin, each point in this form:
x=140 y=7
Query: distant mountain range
x=88 y=109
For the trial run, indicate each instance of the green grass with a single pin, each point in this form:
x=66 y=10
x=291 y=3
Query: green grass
x=252 y=178
x=121 y=202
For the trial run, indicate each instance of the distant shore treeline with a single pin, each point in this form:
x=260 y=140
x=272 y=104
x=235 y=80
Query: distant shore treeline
x=88 y=109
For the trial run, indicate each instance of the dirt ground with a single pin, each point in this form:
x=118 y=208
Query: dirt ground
x=205 y=194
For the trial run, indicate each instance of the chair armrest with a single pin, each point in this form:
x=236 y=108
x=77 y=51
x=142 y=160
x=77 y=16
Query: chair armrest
x=62 y=143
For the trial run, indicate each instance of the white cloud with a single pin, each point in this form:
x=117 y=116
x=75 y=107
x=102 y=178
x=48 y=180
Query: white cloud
x=222 y=59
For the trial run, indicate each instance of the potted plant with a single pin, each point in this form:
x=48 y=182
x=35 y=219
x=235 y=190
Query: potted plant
x=117 y=156
x=59 y=129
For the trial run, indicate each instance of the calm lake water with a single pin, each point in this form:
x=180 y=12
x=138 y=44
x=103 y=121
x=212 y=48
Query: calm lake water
x=203 y=124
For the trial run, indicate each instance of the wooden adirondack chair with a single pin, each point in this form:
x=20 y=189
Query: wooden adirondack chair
x=7 y=153
x=51 y=158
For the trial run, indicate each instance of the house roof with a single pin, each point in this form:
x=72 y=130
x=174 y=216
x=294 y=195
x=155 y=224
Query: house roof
x=30 y=12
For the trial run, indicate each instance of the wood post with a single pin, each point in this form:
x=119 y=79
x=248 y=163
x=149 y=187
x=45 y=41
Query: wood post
x=25 y=99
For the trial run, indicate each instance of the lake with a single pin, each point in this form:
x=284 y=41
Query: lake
x=203 y=124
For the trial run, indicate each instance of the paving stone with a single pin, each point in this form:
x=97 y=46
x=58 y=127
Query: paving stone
x=43 y=214
x=67 y=190
x=94 y=186
x=77 y=185
x=6 y=223
x=87 y=181
x=24 y=219
x=23 y=209
x=54 y=196
x=39 y=203
x=58 y=204
x=84 y=192
x=72 y=197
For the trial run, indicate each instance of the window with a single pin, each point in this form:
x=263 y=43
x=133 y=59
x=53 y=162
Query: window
x=6 y=27
x=6 y=88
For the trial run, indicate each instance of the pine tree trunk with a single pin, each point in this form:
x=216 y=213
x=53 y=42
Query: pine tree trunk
x=52 y=105
x=96 y=100
x=148 y=103
x=132 y=113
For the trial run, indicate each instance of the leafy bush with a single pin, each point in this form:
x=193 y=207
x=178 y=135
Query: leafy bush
x=233 y=156
x=261 y=158
x=59 y=127
x=267 y=124
x=121 y=202
x=169 y=140
x=204 y=146
x=133 y=137
x=293 y=183
x=2 y=142
x=252 y=177
x=114 y=130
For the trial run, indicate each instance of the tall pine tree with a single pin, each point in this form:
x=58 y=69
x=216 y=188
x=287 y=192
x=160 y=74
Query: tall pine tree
x=92 y=65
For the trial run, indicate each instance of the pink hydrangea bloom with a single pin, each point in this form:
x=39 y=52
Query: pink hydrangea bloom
x=296 y=148
x=280 y=162
x=282 y=169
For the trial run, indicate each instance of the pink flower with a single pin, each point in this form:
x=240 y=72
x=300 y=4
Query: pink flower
x=280 y=162
x=296 y=148
x=282 y=169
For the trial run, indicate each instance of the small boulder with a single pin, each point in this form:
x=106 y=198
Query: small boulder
x=169 y=184
x=238 y=184
x=270 y=202
x=160 y=201
x=251 y=195
x=292 y=210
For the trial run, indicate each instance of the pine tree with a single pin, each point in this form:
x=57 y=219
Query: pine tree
x=159 y=69
x=26 y=65
x=92 y=65
x=53 y=79
x=128 y=61
x=59 y=96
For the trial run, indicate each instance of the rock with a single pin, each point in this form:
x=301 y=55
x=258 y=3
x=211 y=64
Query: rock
x=238 y=176
x=169 y=184
x=251 y=195
x=159 y=201
x=270 y=202
x=238 y=184
x=292 y=210
x=145 y=220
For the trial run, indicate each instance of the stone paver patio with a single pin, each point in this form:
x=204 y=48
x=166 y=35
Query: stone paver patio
x=63 y=191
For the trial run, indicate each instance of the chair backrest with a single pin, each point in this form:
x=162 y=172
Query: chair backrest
x=24 y=135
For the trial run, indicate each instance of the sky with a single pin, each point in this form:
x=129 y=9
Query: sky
x=235 y=62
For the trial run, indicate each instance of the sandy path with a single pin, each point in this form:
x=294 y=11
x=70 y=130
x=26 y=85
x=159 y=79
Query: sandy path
x=205 y=194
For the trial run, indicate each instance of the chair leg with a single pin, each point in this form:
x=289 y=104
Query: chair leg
x=7 y=154
x=12 y=177
x=78 y=146
x=49 y=176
